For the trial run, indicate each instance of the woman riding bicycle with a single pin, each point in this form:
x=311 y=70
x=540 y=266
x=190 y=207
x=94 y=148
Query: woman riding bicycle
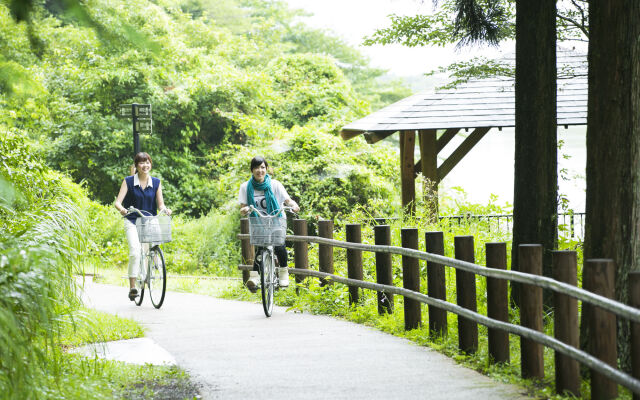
x=144 y=193
x=265 y=194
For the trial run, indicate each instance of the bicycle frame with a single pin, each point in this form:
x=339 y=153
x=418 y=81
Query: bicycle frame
x=266 y=257
x=151 y=257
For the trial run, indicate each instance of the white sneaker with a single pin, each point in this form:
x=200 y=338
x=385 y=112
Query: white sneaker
x=283 y=276
x=254 y=281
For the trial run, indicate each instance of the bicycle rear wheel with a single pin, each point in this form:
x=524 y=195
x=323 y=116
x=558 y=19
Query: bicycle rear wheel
x=140 y=280
x=157 y=277
x=267 y=279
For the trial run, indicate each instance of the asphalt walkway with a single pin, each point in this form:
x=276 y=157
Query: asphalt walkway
x=233 y=352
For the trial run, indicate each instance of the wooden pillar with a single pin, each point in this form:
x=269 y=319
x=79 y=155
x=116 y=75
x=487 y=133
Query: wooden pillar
x=532 y=359
x=498 y=303
x=380 y=221
x=411 y=279
x=429 y=164
x=598 y=277
x=247 y=249
x=436 y=283
x=354 y=260
x=301 y=249
x=565 y=325
x=407 y=176
x=634 y=300
x=384 y=271
x=466 y=295
x=325 y=251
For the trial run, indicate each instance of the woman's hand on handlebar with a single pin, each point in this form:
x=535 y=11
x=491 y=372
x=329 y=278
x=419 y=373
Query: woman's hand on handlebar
x=165 y=210
x=245 y=210
x=292 y=205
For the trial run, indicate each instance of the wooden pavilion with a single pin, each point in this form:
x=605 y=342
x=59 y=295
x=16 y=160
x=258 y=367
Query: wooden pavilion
x=479 y=105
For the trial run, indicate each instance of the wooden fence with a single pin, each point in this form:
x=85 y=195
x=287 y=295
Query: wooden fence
x=597 y=296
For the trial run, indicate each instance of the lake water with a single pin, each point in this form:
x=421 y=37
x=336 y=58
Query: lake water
x=488 y=168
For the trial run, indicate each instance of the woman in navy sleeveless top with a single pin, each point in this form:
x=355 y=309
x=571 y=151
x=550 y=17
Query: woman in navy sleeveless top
x=143 y=192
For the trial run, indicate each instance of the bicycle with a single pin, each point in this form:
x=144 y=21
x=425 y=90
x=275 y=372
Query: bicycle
x=153 y=230
x=266 y=232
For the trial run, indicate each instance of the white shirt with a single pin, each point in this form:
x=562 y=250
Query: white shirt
x=277 y=188
x=136 y=181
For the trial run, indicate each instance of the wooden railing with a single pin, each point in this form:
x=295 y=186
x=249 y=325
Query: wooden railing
x=597 y=296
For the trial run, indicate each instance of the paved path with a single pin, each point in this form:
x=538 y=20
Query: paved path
x=234 y=352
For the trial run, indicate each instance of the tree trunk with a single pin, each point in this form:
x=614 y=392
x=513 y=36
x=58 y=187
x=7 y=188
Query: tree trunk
x=613 y=147
x=536 y=175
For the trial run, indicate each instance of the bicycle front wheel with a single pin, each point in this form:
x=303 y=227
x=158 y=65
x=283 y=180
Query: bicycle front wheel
x=267 y=278
x=157 y=277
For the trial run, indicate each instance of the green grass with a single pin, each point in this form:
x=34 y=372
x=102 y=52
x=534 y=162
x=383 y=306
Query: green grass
x=93 y=378
x=197 y=284
x=92 y=326
x=84 y=378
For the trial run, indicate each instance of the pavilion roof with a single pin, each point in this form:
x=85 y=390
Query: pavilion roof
x=480 y=102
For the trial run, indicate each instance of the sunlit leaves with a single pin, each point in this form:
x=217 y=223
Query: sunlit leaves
x=474 y=22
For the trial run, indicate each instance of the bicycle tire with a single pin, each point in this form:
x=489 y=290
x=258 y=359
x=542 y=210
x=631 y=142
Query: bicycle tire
x=157 y=274
x=267 y=280
x=140 y=280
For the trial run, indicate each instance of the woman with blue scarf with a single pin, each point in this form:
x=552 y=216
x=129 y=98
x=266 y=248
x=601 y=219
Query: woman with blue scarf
x=266 y=195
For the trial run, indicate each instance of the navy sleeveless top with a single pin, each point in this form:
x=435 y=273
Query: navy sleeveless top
x=141 y=199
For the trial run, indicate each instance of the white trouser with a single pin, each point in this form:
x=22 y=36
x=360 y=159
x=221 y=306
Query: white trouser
x=134 y=248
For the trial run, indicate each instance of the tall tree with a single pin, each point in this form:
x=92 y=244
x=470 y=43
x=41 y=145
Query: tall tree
x=536 y=166
x=536 y=175
x=613 y=146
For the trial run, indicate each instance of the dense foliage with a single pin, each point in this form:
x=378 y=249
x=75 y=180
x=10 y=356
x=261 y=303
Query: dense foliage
x=40 y=238
x=226 y=81
x=47 y=231
x=220 y=77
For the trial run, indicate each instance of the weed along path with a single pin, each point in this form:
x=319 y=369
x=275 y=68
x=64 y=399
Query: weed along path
x=233 y=352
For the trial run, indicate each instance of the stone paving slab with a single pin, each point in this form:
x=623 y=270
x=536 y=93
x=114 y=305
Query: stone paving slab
x=139 y=351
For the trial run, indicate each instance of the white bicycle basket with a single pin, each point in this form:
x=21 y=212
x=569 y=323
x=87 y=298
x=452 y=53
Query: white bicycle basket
x=154 y=229
x=267 y=231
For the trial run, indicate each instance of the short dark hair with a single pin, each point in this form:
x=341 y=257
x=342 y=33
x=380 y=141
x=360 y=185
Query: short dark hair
x=257 y=161
x=140 y=157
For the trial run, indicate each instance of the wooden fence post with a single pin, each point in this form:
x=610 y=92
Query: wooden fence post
x=384 y=272
x=380 y=221
x=436 y=284
x=532 y=359
x=411 y=279
x=466 y=295
x=325 y=251
x=301 y=249
x=246 y=249
x=598 y=277
x=565 y=325
x=354 y=260
x=498 y=303
x=634 y=301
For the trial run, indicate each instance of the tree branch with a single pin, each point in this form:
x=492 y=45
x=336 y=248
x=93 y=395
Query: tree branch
x=573 y=22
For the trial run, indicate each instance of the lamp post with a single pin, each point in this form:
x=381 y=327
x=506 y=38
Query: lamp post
x=141 y=119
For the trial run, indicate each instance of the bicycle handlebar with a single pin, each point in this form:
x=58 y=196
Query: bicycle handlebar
x=264 y=214
x=133 y=210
